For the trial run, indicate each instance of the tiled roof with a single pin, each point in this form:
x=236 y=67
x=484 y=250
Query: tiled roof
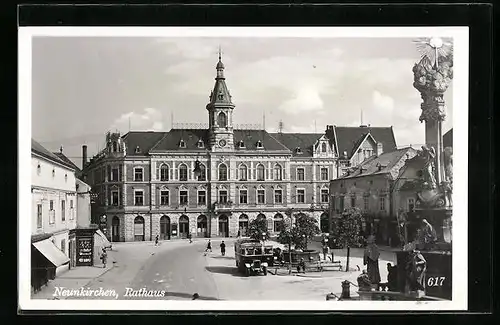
x=66 y=159
x=250 y=138
x=349 y=138
x=448 y=139
x=304 y=141
x=386 y=160
x=191 y=137
x=40 y=150
x=144 y=139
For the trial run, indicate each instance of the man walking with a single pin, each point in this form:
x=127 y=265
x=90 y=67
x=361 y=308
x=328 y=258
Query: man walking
x=223 y=248
x=209 y=246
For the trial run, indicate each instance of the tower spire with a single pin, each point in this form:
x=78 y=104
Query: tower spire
x=220 y=53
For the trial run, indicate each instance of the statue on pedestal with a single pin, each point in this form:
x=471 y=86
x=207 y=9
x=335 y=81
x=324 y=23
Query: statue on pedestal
x=429 y=154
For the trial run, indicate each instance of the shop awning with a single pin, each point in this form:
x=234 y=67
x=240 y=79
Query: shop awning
x=51 y=252
x=102 y=239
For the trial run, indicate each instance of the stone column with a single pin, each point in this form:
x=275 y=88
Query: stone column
x=432 y=80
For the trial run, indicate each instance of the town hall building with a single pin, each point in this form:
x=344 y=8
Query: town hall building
x=212 y=182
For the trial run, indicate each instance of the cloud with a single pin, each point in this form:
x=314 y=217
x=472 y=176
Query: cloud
x=150 y=119
x=381 y=101
x=305 y=100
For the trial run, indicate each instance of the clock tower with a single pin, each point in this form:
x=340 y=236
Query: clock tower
x=220 y=113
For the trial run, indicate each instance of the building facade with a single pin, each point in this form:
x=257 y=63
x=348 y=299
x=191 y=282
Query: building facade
x=374 y=187
x=213 y=181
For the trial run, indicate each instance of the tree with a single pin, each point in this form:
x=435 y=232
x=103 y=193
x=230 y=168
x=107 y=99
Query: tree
x=346 y=230
x=305 y=228
x=257 y=228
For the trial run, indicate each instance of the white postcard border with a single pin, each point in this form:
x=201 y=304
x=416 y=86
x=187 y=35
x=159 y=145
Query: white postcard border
x=460 y=37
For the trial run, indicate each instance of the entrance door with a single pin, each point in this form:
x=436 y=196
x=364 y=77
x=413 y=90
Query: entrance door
x=201 y=226
x=243 y=225
x=139 y=229
x=115 y=229
x=164 y=228
x=223 y=226
x=183 y=226
x=324 y=223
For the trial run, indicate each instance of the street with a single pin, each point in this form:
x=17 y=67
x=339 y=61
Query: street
x=180 y=269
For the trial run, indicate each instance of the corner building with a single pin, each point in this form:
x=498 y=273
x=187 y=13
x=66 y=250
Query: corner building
x=146 y=185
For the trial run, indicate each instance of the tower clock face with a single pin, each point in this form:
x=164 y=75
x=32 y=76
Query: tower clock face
x=222 y=143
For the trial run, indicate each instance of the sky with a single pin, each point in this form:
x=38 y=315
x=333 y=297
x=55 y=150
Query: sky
x=83 y=87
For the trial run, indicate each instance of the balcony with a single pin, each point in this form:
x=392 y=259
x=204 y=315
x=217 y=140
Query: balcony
x=222 y=206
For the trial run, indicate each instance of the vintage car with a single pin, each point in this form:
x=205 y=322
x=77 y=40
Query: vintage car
x=253 y=257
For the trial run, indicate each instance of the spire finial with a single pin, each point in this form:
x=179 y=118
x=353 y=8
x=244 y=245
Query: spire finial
x=220 y=53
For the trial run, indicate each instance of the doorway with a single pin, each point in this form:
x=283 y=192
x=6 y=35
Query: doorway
x=223 y=226
x=115 y=229
x=202 y=227
x=164 y=228
x=183 y=226
x=243 y=225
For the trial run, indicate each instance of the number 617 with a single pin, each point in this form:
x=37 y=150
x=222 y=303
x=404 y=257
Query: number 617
x=435 y=281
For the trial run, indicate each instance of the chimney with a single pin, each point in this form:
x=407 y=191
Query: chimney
x=61 y=149
x=380 y=148
x=84 y=156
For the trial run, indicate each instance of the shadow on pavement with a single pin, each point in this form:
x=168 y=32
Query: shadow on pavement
x=232 y=270
x=223 y=257
x=187 y=296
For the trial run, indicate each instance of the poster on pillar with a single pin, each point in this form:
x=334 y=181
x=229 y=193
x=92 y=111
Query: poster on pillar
x=316 y=173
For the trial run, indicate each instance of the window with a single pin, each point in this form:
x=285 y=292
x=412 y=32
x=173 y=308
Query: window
x=382 y=203
x=202 y=197
x=183 y=197
x=300 y=174
x=298 y=150
x=38 y=169
x=223 y=196
x=114 y=198
x=243 y=196
x=323 y=147
x=261 y=196
x=139 y=197
x=115 y=147
x=353 y=201
x=366 y=203
x=222 y=172
x=259 y=145
x=63 y=210
x=138 y=174
x=278 y=196
x=203 y=173
x=241 y=144
x=52 y=213
x=164 y=197
x=277 y=173
x=243 y=173
x=183 y=173
x=324 y=195
x=39 y=216
x=137 y=149
x=201 y=144
x=71 y=210
x=114 y=174
x=260 y=172
x=411 y=204
x=301 y=196
x=222 y=119
x=341 y=203
x=182 y=144
x=63 y=246
x=164 y=173
x=324 y=174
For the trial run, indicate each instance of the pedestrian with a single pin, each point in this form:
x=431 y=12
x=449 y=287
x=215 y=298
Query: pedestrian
x=209 y=246
x=104 y=257
x=325 y=251
x=156 y=240
x=301 y=265
x=190 y=237
x=223 y=248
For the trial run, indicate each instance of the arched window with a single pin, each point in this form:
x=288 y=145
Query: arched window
x=324 y=222
x=164 y=173
x=222 y=120
x=164 y=227
x=183 y=173
x=323 y=147
x=278 y=222
x=260 y=172
x=203 y=173
x=278 y=172
x=183 y=226
x=202 y=227
x=243 y=172
x=115 y=146
x=139 y=228
x=261 y=216
x=222 y=172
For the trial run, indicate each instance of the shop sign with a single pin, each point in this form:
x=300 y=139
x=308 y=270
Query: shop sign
x=84 y=252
